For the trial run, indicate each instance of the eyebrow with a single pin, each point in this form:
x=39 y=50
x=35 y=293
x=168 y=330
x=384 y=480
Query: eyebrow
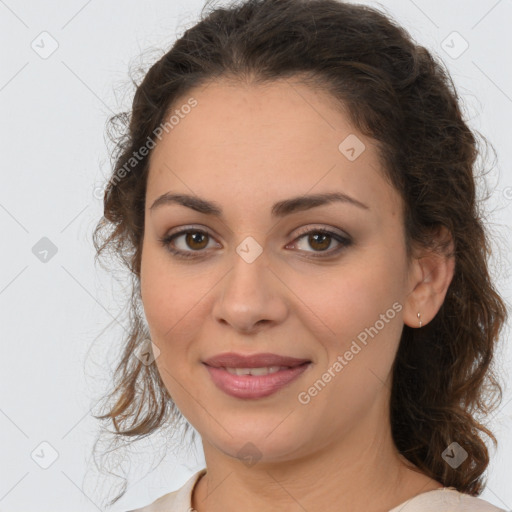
x=279 y=209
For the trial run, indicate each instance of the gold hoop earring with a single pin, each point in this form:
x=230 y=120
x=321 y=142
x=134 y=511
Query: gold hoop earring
x=419 y=319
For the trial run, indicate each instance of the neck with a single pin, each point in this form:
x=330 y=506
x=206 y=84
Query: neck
x=361 y=470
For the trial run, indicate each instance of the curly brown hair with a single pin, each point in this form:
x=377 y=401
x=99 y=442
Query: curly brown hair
x=394 y=91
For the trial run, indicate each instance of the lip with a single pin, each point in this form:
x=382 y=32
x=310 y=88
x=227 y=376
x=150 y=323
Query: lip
x=265 y=359
x=254 y=386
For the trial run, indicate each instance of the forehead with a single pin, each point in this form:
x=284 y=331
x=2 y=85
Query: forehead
x=281 y=139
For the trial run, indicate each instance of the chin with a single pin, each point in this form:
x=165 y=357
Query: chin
x=262 y=444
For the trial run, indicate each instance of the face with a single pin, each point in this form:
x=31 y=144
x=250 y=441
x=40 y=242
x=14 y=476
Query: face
x=323 y=282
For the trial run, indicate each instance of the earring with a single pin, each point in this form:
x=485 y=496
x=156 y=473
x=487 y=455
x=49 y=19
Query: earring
x=419 y=319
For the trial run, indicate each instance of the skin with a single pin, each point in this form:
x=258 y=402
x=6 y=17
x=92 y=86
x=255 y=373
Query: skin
x=246 y=147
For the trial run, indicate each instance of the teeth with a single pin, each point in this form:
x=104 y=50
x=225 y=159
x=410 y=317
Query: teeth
x=256 y=371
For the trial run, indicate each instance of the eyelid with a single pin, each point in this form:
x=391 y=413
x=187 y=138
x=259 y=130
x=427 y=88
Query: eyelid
x=342 y=238
x=183 y=230
x=320 y=227
x=302 y=231
x=192 y=227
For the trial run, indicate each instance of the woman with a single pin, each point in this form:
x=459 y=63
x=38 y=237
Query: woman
x=295 y=199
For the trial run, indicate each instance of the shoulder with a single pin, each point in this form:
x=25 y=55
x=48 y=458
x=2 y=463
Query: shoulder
x=179 y=500
x=471 y=503
x=447 y=499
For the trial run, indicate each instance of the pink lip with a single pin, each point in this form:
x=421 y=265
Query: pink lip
x=254 y=386
x=233 y=360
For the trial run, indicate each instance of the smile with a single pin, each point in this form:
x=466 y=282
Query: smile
x=254 y=383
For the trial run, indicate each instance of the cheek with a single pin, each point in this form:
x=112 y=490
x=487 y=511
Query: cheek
x=172 y=306
x=176 y=302
x=361 y=326
x=351 y=297
x=355 y=313
x=168 y=292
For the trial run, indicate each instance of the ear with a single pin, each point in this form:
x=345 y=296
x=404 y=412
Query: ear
x=430 y=276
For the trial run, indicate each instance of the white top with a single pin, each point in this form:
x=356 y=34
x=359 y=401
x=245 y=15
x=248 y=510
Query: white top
x=447 y=499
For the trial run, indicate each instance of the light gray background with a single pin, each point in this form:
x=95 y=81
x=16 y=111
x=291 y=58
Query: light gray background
x=54 y=165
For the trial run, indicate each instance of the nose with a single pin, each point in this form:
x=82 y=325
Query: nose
x=251 y=296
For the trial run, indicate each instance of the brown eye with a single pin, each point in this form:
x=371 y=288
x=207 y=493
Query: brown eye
x=190 y=243
x=187 y=243
x=196 y=239
x=320 y=241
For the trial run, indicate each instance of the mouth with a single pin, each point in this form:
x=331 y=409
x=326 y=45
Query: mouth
x=255 y=382
x=258 y=371
x=265 y=360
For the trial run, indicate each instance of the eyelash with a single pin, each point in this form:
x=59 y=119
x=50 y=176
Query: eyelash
x=166 y=242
